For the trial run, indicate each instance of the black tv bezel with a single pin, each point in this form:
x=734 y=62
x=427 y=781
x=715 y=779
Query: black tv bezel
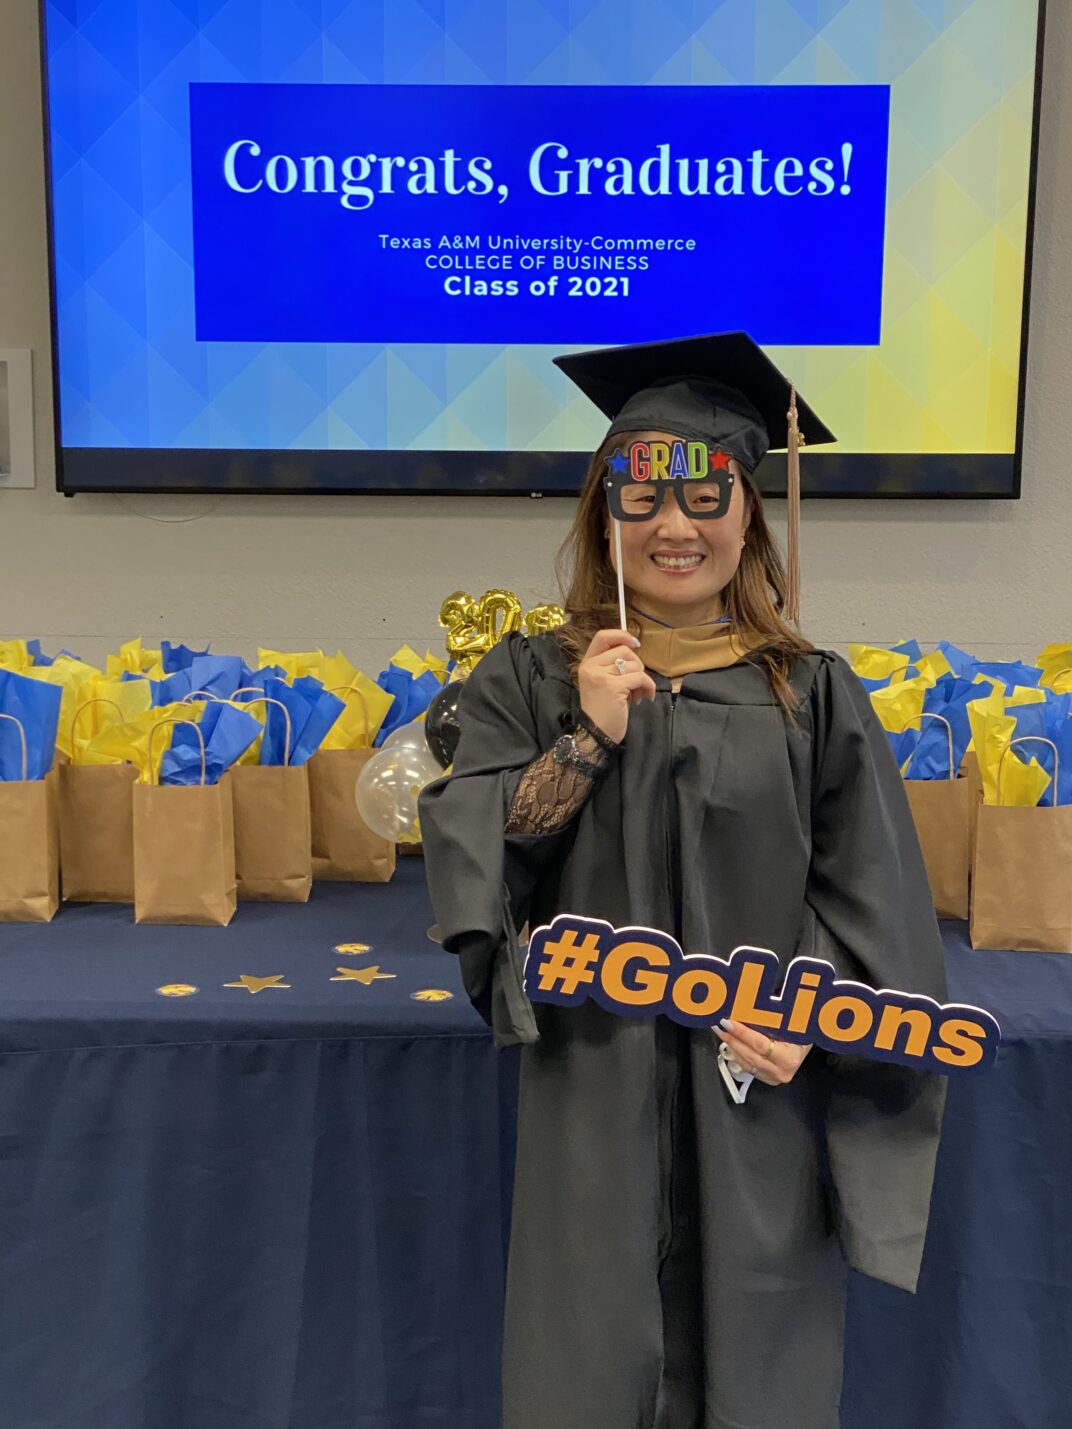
x=262 y=472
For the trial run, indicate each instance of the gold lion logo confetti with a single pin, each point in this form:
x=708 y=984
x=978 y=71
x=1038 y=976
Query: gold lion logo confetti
x=177 y=989
x=432 y=994
x=353 y=949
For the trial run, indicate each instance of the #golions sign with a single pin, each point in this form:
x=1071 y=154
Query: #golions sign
x=641 y=972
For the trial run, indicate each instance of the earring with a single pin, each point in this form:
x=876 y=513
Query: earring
x=742 y=540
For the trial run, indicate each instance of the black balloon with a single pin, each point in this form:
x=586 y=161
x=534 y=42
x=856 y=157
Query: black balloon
x=441 y=728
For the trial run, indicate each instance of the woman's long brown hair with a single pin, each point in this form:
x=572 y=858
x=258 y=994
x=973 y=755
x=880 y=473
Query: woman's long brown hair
x=754 y=599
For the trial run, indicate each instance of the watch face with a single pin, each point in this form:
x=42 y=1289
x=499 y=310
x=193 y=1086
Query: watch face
x=563 y=747
x=565 y=751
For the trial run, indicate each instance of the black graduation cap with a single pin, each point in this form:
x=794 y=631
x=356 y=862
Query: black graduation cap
x=722 y=389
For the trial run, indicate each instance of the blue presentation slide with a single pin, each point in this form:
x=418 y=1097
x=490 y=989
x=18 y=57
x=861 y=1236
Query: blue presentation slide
x=550 y=214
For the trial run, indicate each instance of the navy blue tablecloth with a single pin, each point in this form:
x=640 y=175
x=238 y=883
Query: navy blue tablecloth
x=287 y=1208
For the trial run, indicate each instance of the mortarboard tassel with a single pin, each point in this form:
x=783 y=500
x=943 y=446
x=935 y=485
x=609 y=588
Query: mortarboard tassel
x=792 y=598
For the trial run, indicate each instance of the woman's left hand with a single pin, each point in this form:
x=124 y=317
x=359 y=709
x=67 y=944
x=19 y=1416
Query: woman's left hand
x=772 y=1062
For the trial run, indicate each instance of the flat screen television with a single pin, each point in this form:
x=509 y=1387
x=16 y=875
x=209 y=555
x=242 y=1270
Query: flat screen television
x=300 y=246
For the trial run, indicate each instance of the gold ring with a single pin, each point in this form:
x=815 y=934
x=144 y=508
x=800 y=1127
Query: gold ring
x=769 y=1053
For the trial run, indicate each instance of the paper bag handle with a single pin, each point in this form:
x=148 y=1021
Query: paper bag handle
x=96 y=700
x=948 y=729
x=22 y=737
x=351 y=689
x=200 y=737
x=1037 y=739
x=259 y=699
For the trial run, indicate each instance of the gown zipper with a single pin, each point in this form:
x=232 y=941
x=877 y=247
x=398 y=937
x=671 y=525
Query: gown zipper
x=672 y=853
x=668 y=1036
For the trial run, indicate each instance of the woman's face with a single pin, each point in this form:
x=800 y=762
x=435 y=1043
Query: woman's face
x=677 y=563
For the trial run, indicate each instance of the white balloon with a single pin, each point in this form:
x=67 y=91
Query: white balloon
x=388 y=786
x=407 y=736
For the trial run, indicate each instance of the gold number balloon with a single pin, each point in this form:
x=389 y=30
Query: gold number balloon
x=460 y=618
x=500 y=613
x=474 y=626
x=543 y=617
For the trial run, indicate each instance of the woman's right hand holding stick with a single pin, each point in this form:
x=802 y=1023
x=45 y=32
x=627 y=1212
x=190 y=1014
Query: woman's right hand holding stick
x=611 y=677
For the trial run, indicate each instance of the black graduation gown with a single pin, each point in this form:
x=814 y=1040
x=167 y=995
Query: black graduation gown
x=676 y=1260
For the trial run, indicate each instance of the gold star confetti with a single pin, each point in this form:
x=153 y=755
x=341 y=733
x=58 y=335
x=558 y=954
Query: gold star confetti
x=258 y=984
x=363 y=975
x=177 y=989
x=432 y=994
x=353 y=949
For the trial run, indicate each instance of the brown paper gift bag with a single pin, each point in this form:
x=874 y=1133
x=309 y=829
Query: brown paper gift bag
x=184 y=855
x=973 y=774
x=1022 y=874
x=29 y=846
x=942 y=812
x=272 y=825
x=344 y=848
x=96 y=826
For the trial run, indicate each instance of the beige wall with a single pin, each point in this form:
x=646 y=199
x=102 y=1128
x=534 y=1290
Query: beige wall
x=367 y=573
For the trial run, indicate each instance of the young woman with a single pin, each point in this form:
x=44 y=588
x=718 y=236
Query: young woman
x=685 y=1203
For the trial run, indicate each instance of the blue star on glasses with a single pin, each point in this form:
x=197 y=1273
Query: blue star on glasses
x=618 y=463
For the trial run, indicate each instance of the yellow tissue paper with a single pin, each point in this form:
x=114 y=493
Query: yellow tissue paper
x=933 y=666
x=296 y=663
x=128 y=743
x=366 y=709
x=407 y=659
x=253 y=753
x=336 y=672
x=1056 y=663
x=1022 y=785
x=89 y=718
x=1025 y=695
x=74 y=676
x=1020 y=694
x=437 y=666
x=899 y=704
x=15 y=656
x=991 y=731
x=871 y=662
x=135 y=660
x=1014 y=783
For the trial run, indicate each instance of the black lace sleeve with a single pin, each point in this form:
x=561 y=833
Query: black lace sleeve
x=551 y=793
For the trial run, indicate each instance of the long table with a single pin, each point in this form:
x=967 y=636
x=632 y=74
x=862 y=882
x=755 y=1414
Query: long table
x=280 y=1200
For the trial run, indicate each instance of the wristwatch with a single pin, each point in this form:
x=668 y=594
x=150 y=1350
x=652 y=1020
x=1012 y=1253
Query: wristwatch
x=565 y=751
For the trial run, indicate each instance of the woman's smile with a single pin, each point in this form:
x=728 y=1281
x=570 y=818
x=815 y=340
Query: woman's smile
x=677 y=563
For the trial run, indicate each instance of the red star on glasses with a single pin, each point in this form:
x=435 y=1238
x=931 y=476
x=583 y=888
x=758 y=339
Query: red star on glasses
x=719 y=460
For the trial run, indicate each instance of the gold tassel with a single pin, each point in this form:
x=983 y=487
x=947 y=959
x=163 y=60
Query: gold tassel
x=796 y=441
